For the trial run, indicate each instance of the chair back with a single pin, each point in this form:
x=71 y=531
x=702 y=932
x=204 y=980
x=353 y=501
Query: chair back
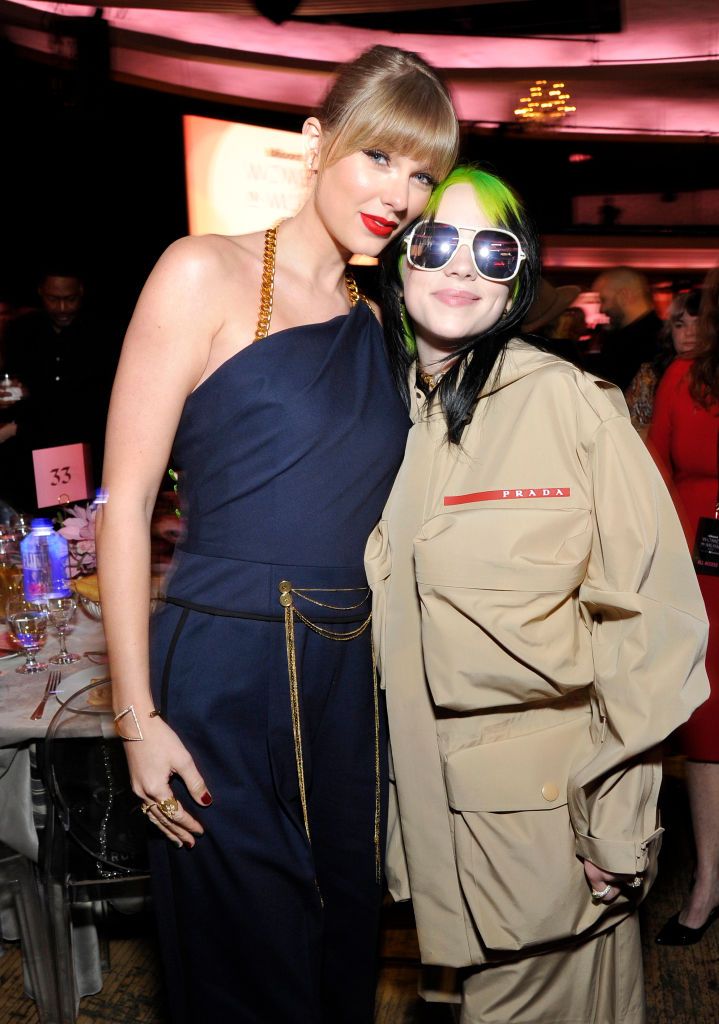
x=89 y=785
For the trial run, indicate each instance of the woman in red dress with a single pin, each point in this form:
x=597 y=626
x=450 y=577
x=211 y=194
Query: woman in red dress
x=685 y=436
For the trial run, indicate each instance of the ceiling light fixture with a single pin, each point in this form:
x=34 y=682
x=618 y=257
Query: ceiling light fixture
x=545 y=103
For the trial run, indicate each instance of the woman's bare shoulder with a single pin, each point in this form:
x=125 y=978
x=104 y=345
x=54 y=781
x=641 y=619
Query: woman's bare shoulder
x=203 y=256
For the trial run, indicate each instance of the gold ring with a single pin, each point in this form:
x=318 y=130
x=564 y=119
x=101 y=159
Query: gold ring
x=147 y=807
x=169 y=807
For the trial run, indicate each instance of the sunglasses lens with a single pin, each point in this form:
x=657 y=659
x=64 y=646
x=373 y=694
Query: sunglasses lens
x=433 y=245
x=496 y=254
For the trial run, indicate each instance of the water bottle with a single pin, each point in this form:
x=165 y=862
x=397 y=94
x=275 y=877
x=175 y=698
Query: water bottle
x=44 y=563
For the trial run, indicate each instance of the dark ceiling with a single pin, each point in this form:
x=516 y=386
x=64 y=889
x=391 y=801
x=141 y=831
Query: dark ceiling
x=522 y=17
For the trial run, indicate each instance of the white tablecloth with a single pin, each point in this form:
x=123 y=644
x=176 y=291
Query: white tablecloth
x=19 y=696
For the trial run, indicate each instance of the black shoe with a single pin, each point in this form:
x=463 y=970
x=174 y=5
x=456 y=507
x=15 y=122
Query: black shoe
x=675 y=934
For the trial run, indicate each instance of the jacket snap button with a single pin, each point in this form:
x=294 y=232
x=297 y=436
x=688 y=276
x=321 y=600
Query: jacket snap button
x=550 y=791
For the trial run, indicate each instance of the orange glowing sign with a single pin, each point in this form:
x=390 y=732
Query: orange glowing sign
x=241 y=177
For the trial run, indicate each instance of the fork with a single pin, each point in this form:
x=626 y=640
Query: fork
x=53 y=681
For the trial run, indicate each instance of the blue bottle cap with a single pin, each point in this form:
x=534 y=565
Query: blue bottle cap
x=41 y=526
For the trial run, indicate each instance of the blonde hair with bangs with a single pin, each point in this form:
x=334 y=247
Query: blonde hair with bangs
x=390 y=99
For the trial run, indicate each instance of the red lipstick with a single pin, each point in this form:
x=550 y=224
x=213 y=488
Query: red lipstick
x=378 y=225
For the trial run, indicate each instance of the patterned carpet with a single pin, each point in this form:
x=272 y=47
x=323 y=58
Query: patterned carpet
x=682 y=985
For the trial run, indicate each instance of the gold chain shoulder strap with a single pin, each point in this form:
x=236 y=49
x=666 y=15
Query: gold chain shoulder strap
x=267 y=287
x=353 y=292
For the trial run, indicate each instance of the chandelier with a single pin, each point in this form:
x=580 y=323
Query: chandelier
x=545 y=103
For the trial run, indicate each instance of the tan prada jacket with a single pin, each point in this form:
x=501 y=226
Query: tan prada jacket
x=539 y=630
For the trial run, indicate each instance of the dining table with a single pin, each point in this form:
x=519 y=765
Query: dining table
x=22 y=793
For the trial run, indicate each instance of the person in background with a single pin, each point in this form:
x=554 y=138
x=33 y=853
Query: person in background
x=546 y=311
x=65 y=357
x=7 y=315
x=571 y=325
x=12 y=486
x=625 y=297
x=259 y=749
x=676 y=338
x=684 y=436
x=538 y=629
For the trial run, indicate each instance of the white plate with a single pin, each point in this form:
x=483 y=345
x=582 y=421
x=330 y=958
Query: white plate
x=75 y=681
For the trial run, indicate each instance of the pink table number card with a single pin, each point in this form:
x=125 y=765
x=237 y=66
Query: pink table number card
x=62 y=474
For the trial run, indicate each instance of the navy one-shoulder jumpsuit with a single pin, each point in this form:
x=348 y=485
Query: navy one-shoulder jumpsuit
x=287 y=454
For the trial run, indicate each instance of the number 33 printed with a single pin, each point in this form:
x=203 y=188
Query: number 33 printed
x=60 y=475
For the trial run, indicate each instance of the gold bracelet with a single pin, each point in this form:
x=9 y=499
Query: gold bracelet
x=130 y=710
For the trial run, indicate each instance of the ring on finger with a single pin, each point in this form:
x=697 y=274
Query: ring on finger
x=169 y=807
x=148 y=807
x=173 y=839
x=599 y=894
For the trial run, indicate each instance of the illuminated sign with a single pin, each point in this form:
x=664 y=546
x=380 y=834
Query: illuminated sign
x=241 y=177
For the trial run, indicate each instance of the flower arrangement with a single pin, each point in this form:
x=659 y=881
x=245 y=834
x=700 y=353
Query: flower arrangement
x=78 y=529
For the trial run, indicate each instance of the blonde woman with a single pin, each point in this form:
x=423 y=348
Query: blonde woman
x=252 y=721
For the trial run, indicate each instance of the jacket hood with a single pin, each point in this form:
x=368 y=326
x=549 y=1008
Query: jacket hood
x=522 y=359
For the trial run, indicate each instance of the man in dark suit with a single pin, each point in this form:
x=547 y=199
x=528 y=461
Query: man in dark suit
x=65 y=359
x=625 y=297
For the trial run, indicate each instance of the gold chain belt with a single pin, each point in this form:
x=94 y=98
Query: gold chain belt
x=288 y=592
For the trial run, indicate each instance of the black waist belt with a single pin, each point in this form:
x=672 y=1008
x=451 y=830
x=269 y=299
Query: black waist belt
x=208 y=609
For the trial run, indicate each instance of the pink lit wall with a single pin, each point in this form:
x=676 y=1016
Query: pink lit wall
x=699 y=208
x=658 y=75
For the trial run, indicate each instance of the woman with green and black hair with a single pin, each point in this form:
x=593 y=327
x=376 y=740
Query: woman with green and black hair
x=538 y=629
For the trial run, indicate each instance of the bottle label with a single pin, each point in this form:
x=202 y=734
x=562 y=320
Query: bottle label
x=45 y=568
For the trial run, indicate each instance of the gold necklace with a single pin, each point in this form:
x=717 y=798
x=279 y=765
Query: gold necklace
x=267 y=287
x=430 y=380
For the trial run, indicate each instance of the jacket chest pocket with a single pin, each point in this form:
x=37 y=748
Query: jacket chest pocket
x=505 y=548
x=514 y=842
x=500 y=611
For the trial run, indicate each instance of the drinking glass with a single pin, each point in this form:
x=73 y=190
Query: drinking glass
x=28 y=624
x=20 y=525
x=60 y=611
x=10 y=571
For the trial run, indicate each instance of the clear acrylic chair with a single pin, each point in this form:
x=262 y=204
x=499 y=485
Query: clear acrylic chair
x=19 y=892
x=94 y=846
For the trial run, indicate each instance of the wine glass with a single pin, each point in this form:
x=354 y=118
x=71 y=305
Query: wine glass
x=27 y=622
x=10 y=571
x=60 y=611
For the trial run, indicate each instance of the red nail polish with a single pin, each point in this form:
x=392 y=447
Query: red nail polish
x=206 y=799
